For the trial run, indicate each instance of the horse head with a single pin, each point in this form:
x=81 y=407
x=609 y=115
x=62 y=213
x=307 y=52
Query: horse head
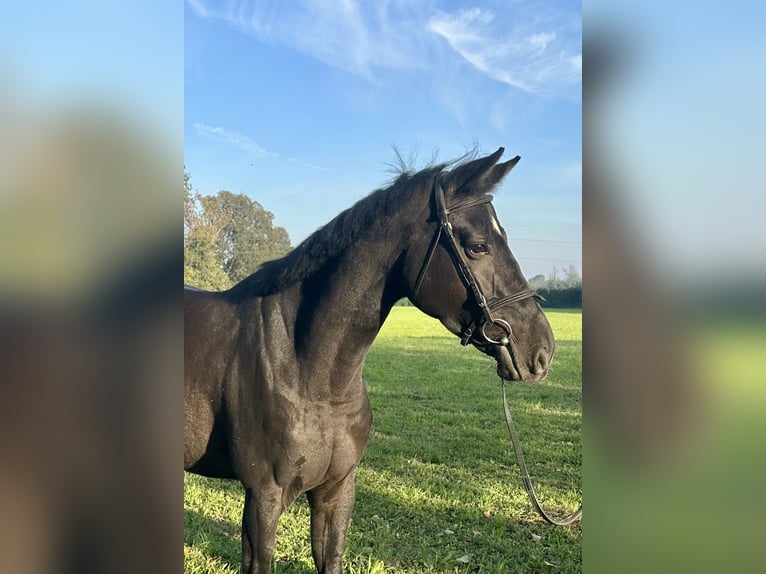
x=460 y=270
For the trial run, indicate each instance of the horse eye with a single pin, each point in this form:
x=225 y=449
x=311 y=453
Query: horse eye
x=478 y=249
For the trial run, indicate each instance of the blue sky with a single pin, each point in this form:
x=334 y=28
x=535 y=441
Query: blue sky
x=297 y=104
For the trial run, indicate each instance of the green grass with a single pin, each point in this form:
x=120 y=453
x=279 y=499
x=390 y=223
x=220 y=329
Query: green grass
x=438 y=489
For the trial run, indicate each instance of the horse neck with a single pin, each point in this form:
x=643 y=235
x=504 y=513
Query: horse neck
x=342 y=310
x=352 y=300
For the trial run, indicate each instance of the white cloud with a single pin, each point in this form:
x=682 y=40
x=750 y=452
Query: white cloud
x=523 y=45
x=540 y=41
x=357 y=37
x=309 y=165
x=246 y=144
x=235 y=139
x=199 y=8
x=529 y=55
x=576 y=62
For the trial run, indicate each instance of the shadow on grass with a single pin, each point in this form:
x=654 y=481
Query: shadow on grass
x=407 y=538
x=439 y=442
x=216 y=538
x=411 y=535
x=220 y=539
x=429 y=534
x=431 y=537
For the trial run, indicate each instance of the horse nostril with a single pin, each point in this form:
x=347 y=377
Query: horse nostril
x=541 y=362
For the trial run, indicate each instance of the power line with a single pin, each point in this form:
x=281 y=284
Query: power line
x=550 y=260
x=543 y=240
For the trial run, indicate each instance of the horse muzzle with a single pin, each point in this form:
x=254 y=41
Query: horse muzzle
x=510 y=368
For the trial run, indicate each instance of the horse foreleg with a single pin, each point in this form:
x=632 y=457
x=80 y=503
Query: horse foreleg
x=259 y=529
x=331 y=506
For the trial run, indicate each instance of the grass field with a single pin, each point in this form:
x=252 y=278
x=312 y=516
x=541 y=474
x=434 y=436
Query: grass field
x=438 y=489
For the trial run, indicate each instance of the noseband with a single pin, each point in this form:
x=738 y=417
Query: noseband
x=486 y=307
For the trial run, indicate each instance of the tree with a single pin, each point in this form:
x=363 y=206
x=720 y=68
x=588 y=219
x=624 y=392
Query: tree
x=560 y=279
x=245 y=233
x=188 y=204
x=562 y=289
x=572 y=277
x=201 y=267
x=226 y=237
x=537 y=281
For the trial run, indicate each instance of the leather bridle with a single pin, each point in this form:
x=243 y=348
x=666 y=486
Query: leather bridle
x=487 y=308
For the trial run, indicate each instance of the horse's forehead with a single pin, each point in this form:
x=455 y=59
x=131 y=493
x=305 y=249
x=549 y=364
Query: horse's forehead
x=495 y=223
x=486 y=219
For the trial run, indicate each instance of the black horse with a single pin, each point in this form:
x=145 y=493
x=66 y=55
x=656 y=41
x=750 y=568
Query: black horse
x=273 y=392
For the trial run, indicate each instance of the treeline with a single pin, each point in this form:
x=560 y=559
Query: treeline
x=561 y=298
x=562 y=289
x=226 y=237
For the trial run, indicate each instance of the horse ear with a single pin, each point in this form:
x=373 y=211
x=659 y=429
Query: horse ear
x=480 y=175
x=499 y=171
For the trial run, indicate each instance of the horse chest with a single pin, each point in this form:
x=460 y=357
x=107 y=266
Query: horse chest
x=325 y=443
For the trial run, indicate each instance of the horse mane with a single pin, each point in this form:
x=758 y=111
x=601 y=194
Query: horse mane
x=331 y=240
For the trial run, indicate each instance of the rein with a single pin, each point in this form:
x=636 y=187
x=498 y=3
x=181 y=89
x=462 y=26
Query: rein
x=487 y=308
x=525 y=478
